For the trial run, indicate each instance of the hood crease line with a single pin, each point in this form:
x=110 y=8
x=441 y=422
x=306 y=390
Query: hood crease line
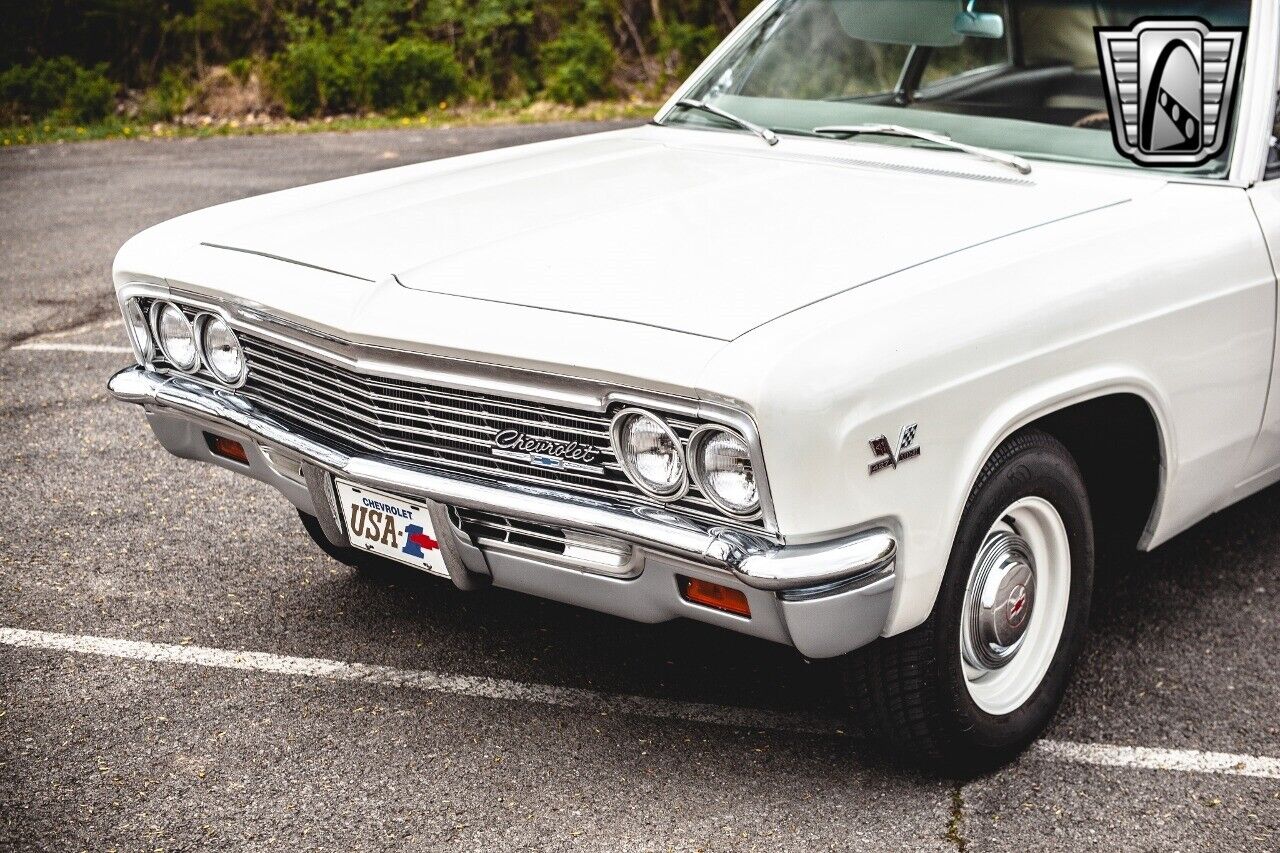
x=563 y=311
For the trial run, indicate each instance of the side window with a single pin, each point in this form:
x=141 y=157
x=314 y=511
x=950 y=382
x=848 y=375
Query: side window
x=1273 y=154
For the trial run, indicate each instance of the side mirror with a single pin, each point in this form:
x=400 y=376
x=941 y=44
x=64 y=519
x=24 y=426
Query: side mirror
x=983 y=25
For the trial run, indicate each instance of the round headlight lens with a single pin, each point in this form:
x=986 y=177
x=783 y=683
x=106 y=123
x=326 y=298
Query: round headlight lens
x=650 y=453
x=177 y=338
x=135 y=321
x=724 y=471
x=222 y=352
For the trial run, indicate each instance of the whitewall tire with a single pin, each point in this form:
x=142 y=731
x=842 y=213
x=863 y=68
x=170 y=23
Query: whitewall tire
x=976 y=683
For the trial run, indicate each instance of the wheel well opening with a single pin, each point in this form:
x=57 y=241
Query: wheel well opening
x=1116 y=442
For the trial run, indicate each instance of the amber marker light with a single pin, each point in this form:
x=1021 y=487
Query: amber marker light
x=714 y=595
x=227 y=449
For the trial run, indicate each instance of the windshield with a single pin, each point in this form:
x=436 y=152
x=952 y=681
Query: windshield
x=1029 y=84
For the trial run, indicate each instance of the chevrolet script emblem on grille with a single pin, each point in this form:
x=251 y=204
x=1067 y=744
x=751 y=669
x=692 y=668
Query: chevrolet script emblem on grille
x=550 y=453
x=1170 y=84
x=888 y=456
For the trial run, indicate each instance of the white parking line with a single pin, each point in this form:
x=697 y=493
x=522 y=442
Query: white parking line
x=595 y=702
x=92 y=326
x=1147 y=758
x=41 y=346
x=459 y=685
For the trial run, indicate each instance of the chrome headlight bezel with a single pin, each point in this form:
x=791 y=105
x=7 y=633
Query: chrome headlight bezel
x=138 y=324
x=201 y=326
x=697 y=442
x=157 y=310
x=678 y=489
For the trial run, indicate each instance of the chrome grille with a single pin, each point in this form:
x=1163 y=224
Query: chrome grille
x=433 y=427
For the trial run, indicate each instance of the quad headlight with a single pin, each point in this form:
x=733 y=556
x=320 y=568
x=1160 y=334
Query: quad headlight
x=717 y=459
x=206 y=345
x=650 y=453
x=176 y=336
x=220 y=349
x=139 y=329
x=721 y=463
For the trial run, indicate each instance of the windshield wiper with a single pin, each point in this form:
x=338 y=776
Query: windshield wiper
x=989 y=154
x=763 y=132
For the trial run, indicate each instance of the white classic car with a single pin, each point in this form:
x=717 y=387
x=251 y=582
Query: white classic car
x=860 y=346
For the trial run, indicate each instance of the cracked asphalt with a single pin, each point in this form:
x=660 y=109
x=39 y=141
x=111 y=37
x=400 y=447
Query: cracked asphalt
x=105 y=535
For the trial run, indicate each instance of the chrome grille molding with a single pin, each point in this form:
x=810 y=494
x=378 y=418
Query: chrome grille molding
x=438 y=428
x=598 y=554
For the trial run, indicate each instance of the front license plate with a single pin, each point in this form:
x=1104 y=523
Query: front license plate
x=391 y=527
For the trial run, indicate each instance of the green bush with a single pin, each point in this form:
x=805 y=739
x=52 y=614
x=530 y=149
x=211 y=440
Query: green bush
x=324 y=57
x=242 y=69
x=683 y=46
x=412 y=74
x=578 y=65
x=168 y=99
x=60 y=88
x=325 y=74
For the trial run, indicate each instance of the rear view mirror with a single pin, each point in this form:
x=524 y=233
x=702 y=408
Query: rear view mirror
x=911 y=22
x=983 y=25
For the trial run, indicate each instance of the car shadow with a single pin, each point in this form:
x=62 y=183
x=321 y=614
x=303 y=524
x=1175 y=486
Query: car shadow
x=1174 y=631
x=412 y=620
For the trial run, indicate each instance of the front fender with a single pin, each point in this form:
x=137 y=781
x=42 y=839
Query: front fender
x=977 y=345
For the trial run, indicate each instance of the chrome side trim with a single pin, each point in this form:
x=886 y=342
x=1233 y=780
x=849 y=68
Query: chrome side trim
x=755 y=559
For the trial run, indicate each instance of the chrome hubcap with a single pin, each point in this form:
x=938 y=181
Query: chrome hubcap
x=1001 y=600
x=1015 y=606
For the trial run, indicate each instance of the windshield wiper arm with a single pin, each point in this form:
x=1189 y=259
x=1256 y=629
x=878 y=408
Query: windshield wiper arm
x=989 y=154
x=763 y=132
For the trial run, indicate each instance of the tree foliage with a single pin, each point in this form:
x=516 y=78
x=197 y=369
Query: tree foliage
x=412 y=74
x=577 y=66
x=59 y=89
x=325 y=56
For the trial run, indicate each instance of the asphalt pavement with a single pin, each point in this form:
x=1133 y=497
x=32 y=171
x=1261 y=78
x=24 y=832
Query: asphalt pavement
x=269 y=698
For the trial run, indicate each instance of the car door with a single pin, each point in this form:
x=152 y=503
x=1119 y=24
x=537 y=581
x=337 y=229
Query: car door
x=1264 y=462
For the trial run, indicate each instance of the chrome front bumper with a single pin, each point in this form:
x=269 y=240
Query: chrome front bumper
x=861 y=564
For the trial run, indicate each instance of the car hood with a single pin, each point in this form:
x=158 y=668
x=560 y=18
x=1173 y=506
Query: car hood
x=703 y=233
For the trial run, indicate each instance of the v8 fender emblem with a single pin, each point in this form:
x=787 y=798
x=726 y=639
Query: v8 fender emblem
x=890 y=457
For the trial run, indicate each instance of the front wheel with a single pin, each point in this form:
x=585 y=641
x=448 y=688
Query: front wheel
x=981 y=678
